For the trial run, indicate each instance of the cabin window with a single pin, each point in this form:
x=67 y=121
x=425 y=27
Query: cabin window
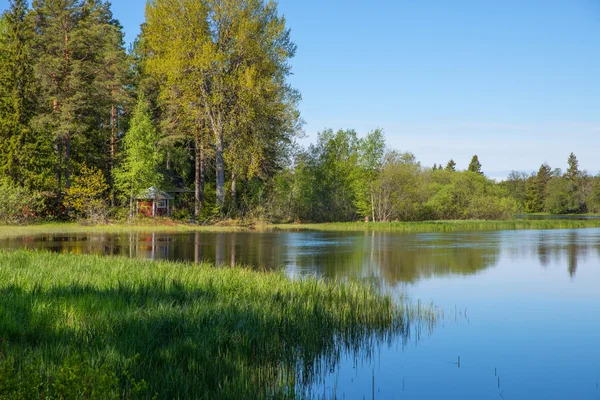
x=161 y=204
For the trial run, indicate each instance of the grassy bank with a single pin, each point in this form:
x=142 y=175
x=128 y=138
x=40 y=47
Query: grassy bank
x=162 y=225
x=93 y=327
x=158 y=225
x=444 y=226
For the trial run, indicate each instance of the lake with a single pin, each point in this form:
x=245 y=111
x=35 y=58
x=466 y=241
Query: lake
x=521 y=308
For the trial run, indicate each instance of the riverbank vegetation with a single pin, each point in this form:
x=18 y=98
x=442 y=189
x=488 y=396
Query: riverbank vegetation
x=201 y=106
x=445 y=226
x=170 y=226
x=98 y=327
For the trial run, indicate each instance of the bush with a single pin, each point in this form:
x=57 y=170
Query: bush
x=87 y=194
x=17 y=205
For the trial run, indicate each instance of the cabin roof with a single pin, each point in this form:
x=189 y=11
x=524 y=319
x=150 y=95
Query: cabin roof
x=154 y=194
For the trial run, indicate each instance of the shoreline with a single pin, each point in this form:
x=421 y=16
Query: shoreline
x=169 y=226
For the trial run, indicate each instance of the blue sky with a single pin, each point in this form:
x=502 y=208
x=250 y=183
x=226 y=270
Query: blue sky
x=515 y=82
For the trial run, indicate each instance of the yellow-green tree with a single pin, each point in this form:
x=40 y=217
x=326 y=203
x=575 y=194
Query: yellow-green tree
x=223 y=65
x=139 y=168
x=87 y=194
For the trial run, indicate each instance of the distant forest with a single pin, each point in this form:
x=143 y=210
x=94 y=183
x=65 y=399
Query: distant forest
x=201 y=101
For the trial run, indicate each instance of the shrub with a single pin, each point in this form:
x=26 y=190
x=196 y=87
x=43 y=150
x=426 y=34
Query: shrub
x=86 y=196
x=17 y=205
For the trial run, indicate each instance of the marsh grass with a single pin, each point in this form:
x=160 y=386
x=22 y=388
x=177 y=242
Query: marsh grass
x=76 y=326
x=169 y=226
x=160 y=225
x=443 y=226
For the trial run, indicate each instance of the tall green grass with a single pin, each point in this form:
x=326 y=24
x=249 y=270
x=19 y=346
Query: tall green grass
x=426 y=226
x=160 y=225
x=444 y=226
x=98 y=327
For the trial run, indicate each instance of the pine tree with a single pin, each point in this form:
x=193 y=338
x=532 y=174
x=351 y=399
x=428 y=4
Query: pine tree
x=573 y=174
x=79 y=67
x=22 y=155
x=536 y=189
x=475 y=165
x=451 y=166
x=139 y=169
x=112 y=75
x=575 y=199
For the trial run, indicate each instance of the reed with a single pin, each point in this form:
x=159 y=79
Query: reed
x=166 y=225
x=444 y=226
x=102 y=327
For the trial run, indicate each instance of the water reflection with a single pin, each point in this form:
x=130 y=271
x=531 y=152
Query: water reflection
x=389 y=258
x=532 y=299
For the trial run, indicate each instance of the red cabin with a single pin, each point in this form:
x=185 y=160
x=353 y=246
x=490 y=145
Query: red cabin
x=154 y=202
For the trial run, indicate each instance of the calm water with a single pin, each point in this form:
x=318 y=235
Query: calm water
x=522 y=307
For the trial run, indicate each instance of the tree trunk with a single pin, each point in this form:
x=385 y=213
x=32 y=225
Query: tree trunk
x=234 y=189
x=67 y=137
x=131 y=206
x=113 y=120
x=220 y=169
x=372 y=203
x=58 y=170
x=68 y=162
x=199 y=176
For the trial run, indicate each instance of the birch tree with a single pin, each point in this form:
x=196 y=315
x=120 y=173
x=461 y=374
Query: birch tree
x=224 y=64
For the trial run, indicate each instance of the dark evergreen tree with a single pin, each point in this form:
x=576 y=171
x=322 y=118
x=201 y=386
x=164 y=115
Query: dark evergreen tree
x=536 y=189
x=80 y=58
x=573 y=174
x=22 y=155
x=475 y=165
x=451 y=166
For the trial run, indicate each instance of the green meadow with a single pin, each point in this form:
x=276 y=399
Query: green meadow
x=76 y=326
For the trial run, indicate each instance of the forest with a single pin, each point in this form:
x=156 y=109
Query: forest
x=201 y=104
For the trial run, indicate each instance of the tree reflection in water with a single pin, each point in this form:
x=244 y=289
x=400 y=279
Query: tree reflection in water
x=384 y=257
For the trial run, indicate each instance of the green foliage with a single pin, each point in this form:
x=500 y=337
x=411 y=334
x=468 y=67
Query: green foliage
x=475 y=165
x=470 y=195
x=573 y=174
x=593 y=199
x=331 y=165
x=76 y=377
x=87 y=194
x=91 y=327
x=515 y=186
x=24 y=156
x=223 y=67
x=451 y=166
x=17 y=205
x=561 y=196
x=80 y=69
x=139 y=168
x=371 y=150
x=396 y=194
x=536 y=189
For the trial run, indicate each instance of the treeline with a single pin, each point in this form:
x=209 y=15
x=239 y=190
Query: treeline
x=202 y=101
x=343 y=178
x=552 y=191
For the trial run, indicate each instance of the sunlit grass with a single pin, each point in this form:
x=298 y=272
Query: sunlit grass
x=102 y=327
x=169 y=226
x=444 y=226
